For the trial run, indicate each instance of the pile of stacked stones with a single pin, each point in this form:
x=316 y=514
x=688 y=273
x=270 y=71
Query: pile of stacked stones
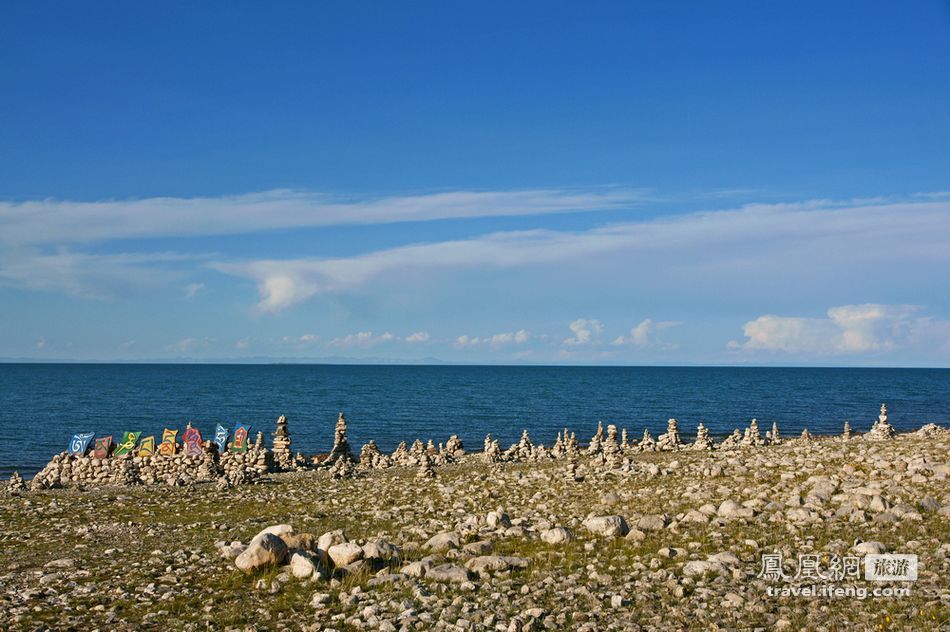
x=751 y=436
x=229 y=468
x=703 y=440
x=671 y=439
x=881 y=430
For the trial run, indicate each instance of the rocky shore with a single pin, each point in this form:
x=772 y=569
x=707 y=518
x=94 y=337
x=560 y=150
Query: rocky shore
x=615 y=535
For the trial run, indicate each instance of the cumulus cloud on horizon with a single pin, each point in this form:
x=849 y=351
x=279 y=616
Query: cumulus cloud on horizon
x=847 y=330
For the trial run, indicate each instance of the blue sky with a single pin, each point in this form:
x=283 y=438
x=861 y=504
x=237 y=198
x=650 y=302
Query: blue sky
x=642 y=183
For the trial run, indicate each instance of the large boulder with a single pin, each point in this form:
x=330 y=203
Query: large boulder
x=447 y=573
x=731 y=510
x=266 y=549
x=557 y=535
x=443 y=542
x=609 y=526
x=302 y=565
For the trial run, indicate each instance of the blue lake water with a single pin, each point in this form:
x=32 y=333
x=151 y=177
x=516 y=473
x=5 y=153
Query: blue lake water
x=43 y=405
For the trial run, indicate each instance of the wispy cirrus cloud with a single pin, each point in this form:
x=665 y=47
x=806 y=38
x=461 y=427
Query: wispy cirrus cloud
x=747 y=239
x=51 y=221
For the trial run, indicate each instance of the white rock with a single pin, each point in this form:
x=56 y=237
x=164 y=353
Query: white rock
x=302 y=565
x=557 y=535
x=266 y=549
x=443 y=541
x=345 y=553
x=610 y=526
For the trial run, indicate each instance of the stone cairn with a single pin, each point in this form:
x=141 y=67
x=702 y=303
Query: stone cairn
x=806 y=436
x=773 y=437
x=283 y=457
x=670 y=440
x=731 y=442
x=492 y=453
x=596 y=441
x=425 y=468
x=343 y=468
x=703 y=440
x=454 y=447
x=624 y=440
x=647 y=444
x=881 y=430
x=372 y=458
x=751 y=436
x=846 y=434
x=613 y=455
x=341 y=447
x=15 y=486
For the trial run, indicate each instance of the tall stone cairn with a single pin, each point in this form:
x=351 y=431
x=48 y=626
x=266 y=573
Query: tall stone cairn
x=806 y=436
x=752 y=437
x=524 y=449
x=647 y=444
x=624 y=440
x=283 y=457
x=773 y=437
x=613 y=457
x=670 y=440
x=703 y=440
x=570 y=443
x=846 y=434
x=341 y=447
x=558 y=448
x=881 y=430
x=596 y=442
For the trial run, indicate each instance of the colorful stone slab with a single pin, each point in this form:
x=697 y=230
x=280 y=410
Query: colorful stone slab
x=192 y=439
x=221 y=438
x=79 y=442
x=101 y=450
x=168 y=445
x=127 y=444
x=239 y=444
x=147 y=446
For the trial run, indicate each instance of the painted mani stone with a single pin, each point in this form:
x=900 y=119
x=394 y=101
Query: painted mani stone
x=239 y=444
x=127 y=444
x=168 y=445
x=221 y=437
x=101 y=451
x=147 y=446
x=192 y=440
x=79 y=442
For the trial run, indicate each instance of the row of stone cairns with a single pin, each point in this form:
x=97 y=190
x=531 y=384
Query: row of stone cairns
x=611 y=450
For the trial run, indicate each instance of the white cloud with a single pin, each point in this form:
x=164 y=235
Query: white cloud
x=495 y=341
x=419 y=336
x=85 y=275
x=847 y=330
x=585 y=331
x=192 y=289
x=362 y=339
x=190 y=345
x=645 y=334
x=243 y=344
x=60 y=221
x=301 y=341
x=41 y=343
x=753 y=238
